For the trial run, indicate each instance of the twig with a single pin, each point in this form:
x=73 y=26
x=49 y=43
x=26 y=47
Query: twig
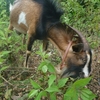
x=17 y=75
x=6 y=80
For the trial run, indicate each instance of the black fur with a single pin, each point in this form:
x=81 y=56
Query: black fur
x=50 y=14
x=73 y=68
x=90 y=53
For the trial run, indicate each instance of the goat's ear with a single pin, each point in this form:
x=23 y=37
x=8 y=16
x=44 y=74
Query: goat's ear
x=78 y=47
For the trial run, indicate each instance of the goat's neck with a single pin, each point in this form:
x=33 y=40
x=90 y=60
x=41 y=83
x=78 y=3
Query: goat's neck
x=60 y=39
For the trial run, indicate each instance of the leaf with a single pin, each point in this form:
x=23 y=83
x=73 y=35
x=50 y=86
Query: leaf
x=8 y=93
x=51 y=68
x=52 y=96
x=52 y=89
x=34 y=84
x=84 y=97
x=3 y=53
x=41 y=65
x=71 y=94
x=62 y=82
x=51 y=79
x=82 y=82
x=41 y=94
x=48 y=54
x=87 y=93
x=3 y=68
x=33 y=93
x=44 y=69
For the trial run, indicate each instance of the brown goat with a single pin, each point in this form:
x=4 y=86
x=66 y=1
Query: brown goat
x=40 y=19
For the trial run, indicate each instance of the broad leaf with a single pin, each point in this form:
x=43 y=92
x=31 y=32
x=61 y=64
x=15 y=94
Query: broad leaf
x=41 y=65
x=51 y=68
x=52 y=96
x=33 y=93
x=34 y=84
x=52 y=89
x=62 y=82
x=40 y=95
x=51 y=80
x=3 y=68
x=82 y=82
x=71 y=94
x=44 y=69
x=86 y=93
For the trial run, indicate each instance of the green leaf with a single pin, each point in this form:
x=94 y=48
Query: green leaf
x=33 y=93
x=84 y=97
x=62 y=82
x=3 y=53
x=52 y=96
x=86 y=93
x=41 y=65
x=71 y=94
x=82 y=82
x=51 y=80
x=47 y=64
x=34 y=84
x=41 y=94
x=51 y=68
x=44 y=69
x=52 y=89
x=3 y=68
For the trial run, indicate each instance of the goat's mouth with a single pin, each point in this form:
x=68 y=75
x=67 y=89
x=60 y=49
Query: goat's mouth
x=72 y=74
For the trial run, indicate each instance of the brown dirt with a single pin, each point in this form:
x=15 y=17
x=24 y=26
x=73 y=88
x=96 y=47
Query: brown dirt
x=94 y=85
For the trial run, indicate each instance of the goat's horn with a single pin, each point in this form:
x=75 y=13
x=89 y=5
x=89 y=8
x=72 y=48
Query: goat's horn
x=86 y=46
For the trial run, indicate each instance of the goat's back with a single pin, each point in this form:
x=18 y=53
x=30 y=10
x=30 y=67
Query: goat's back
x=24 y=15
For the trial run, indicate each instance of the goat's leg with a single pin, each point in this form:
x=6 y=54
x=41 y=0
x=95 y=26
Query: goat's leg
x=45 y=44
x=29 y=47
x=10 y=27
x=24 y=39
x=30 y=41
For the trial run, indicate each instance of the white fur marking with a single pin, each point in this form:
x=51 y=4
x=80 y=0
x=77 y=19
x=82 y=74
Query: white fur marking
x=22 y=18
x=10 y=8
x=85 y=69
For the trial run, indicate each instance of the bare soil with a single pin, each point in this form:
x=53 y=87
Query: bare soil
x=94 y=85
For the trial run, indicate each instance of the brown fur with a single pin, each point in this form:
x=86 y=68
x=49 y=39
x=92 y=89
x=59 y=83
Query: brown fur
x=31 y=19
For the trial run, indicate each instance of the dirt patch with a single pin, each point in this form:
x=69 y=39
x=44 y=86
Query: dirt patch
x=95 y=82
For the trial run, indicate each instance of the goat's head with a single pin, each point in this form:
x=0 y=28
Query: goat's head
x=78 y=60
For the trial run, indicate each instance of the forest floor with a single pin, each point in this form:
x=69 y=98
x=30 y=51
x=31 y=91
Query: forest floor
x=94 y=85
x=18 y=75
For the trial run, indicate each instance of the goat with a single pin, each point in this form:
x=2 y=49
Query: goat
x=40 y=19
